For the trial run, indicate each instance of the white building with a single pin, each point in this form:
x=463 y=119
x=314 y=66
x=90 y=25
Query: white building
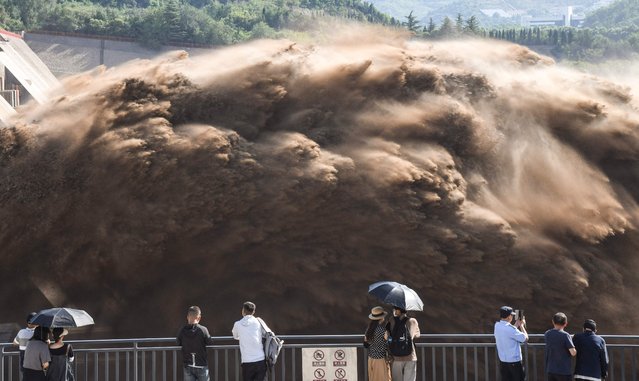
x=566 y=18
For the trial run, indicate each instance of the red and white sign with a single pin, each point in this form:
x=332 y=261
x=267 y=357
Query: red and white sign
x=329 y=364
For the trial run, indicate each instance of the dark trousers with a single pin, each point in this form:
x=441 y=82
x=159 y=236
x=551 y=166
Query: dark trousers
x=559 y=377
x=254 y=371
x=34 y=375
x=21 y=361
x=512 y=371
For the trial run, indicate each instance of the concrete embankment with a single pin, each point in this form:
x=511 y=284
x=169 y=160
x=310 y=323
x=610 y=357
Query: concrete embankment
x=67 y=55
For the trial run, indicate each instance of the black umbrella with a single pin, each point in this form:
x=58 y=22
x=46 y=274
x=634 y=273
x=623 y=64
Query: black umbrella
x=62 y=318
x=396 y=294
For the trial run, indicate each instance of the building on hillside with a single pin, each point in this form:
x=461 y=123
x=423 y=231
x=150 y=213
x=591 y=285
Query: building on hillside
x=567 y=19
x=493 y=12
x=501 y=12
x=23 y=76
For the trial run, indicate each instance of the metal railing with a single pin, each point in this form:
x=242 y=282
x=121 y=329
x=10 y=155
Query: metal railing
x=441 y=357
x=11 y=96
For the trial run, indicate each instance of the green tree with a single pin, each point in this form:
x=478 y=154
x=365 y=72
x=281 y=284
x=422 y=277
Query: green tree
x=446 y=29
x=411 y=23
x=431 y=26
x=29 y=11
x=459 y=24
x=172 y=22
x=472 y=26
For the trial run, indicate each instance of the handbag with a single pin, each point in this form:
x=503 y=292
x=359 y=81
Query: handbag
x=69 y=376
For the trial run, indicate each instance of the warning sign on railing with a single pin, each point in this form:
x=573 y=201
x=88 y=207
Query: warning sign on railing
x=329 y=364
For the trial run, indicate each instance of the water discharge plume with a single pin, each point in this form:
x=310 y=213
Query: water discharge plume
x=477 y=172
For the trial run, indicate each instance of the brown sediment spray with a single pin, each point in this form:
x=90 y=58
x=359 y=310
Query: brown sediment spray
x=477 y=172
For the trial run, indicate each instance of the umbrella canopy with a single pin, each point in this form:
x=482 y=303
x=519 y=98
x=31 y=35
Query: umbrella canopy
x=62 y=318
x=396 y=294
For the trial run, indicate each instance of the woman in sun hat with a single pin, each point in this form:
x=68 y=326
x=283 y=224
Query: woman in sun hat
x=376 y=340
x=60 y=368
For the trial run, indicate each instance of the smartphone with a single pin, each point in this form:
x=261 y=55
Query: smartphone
x=519 y=314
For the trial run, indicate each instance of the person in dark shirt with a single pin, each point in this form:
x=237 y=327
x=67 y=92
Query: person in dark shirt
x=559 y=350
x=193 y=338
x=592 y=356
x=60 y=367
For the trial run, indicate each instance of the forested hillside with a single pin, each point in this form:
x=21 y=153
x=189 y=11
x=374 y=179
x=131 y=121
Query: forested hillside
x=611 y=32
x=620 y=14
x=491 y=13
x=157 y=22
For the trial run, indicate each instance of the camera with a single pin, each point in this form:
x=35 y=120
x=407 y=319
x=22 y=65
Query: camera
x=519 y=314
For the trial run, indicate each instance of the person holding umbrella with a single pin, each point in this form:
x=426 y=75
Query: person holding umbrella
x=61 y=357
x=37 y=356
x=376 y=340
x=403 y=331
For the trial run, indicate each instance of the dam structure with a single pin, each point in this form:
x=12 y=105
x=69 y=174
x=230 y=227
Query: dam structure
x=23 y=75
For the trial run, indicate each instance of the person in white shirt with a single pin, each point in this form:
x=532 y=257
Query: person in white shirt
x=508 y=339
x=249 y=331
x=23 y=337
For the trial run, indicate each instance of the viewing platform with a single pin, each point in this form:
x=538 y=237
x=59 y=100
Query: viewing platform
x=441 y=357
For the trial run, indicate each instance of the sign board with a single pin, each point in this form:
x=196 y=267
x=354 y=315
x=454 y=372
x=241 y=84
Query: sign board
x=329 y=364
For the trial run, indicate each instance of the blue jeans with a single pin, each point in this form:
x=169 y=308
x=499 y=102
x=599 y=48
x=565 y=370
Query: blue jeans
x=196 y=374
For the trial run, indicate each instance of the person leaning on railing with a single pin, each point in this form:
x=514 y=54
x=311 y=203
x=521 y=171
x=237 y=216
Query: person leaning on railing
x=508 y=339
x=403 y=330
x=559 y=350
x=193 y=338
x=592 y=355
x=376 y=340
x=250 y=330
x=37 y=356
x=23 y=337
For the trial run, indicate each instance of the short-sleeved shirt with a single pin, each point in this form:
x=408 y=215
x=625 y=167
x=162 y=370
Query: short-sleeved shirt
x=508 y=340
x=23 y=337
x=36 y=354
x=558 y=358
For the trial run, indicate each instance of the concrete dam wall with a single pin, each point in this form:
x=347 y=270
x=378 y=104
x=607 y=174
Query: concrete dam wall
x=67 y=55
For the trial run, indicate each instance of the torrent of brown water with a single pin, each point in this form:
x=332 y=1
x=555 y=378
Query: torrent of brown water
x=477 y=172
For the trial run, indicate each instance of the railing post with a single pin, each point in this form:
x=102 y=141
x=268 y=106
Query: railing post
x=2 y=363
x=135 y=361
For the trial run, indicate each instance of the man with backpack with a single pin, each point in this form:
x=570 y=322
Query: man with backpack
x=402 y=331
x=250 y=331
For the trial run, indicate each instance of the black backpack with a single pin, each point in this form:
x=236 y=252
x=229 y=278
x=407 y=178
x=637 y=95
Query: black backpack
x=400 y=342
